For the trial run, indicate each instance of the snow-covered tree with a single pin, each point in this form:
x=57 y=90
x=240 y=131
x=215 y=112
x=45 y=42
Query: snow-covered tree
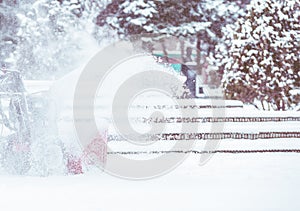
x=43 y=33
x=264 y=62
x=229 y=13
x=9 y=24
x=200 y=22
x=47 y=36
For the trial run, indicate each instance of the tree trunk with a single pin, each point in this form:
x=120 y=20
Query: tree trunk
x=164 y=48
x=182 y=50
x=198 y=55
x=283 y=105
x=262 y=104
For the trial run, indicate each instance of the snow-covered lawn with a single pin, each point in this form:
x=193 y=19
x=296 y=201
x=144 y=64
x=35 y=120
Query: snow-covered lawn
x=226 y=182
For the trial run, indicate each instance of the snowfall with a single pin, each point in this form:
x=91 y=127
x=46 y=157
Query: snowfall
x=227 y=181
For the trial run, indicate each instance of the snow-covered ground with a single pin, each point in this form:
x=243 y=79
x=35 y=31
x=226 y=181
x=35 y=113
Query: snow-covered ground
x=227 y=182
x=244 y=181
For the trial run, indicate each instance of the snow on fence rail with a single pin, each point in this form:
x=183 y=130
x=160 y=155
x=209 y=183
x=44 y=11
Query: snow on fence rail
x=216 y=119
x=208 y=152
x=244 y=131
x=213 y=136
